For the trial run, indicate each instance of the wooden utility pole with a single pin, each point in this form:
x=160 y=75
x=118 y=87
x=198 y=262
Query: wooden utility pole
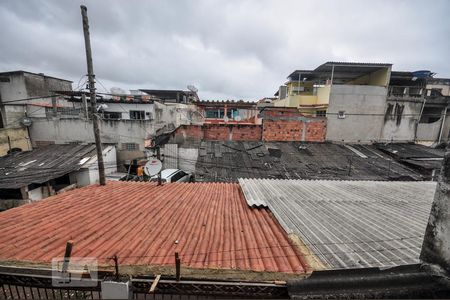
x=91 y=79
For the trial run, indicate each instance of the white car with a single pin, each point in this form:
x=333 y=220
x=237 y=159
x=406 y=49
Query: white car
x=174 y=175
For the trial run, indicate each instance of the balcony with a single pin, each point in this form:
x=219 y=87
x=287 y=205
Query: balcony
x=411 y=93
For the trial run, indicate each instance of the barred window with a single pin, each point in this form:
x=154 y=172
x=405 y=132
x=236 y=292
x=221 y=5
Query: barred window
x=130 y=146
x=321 y=113
x=137 y=115
x=66 y=111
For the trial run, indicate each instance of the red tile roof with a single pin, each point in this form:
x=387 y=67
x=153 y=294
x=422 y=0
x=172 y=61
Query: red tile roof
x=209 y=224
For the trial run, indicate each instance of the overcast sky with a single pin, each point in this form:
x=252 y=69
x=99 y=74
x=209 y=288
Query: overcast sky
x=228 y=49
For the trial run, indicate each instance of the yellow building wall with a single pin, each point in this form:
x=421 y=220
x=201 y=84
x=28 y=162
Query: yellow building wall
x=281 y=102
x=323 y=94
x=308 y=87
x=18 y=138
x=379 y=78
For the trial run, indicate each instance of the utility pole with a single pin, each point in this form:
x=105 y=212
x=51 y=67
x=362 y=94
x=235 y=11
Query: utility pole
x=91 y=78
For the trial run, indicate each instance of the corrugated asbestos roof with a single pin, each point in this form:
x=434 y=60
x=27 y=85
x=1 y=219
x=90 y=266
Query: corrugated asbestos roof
x=228 y=161
x=350 y=224
x=41 y=164
x=209 y=224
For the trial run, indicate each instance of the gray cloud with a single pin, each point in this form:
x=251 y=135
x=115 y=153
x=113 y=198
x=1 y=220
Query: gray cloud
x=229 y=49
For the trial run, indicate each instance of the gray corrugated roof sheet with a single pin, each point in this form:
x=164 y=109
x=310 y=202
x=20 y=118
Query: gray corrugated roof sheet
x=350 y=224
x=228 y=161
x=41 y=164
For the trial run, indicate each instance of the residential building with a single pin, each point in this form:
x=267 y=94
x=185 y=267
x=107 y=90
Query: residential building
x=128 y=121
x=29 y=176
x=228 y=112
x=173 y=96
x=416 y=110
x=310 y=90
x=17 y=88
x=368 y=102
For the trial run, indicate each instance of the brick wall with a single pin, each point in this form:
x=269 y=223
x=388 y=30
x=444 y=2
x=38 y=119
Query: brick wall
x=218 y=132
x=289 y=127
x=316 y=131
x=282 y=130
x=286 y=112
x=246 y=133
x=188 y=132
x=309 y=130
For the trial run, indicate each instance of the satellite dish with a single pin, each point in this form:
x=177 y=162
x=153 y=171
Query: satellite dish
x=102 y=106
x=153 y=167
x=26 y=122
x=192 y=88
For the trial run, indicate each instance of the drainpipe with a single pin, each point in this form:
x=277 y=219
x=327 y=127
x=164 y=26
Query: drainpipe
x=436 y=244
x=442 y=124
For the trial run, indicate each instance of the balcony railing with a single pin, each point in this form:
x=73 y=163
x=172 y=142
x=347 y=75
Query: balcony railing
x=406 y=92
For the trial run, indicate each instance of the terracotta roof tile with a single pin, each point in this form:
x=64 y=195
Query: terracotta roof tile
x=209 y=224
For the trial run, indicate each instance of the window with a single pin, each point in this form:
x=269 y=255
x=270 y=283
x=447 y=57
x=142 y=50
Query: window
x=112 y=115
x=130 y=146
x=137 y=115
x=341 y=114
x=64 y=111
x=178 y=176
x=219 y=113
x=321 y=113
x=214 y=114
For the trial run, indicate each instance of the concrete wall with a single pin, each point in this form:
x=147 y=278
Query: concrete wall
x=364 y=108
x=379 y=78
x=62 y=131
x=89 y=174
x=429 y=131
x=18 y=138
x=187 y=158
x=26 y=85
x=118 y=132
x=400 y=121
x=177 y=114
x=125 y=108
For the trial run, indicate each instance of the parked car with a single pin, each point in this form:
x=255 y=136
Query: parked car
x=174 y=175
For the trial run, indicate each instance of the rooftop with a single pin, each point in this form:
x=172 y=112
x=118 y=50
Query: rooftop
x=342 y=71
x=75 y=96
x=169 y=94
x=38 y=74
x=414 y=155
x=237 y=103
x=42 y=164
x=349 y=224
x=228 y=161
x=209 y=224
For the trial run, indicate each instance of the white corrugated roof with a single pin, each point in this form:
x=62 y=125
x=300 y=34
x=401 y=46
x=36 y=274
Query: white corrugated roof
x=349 y=224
